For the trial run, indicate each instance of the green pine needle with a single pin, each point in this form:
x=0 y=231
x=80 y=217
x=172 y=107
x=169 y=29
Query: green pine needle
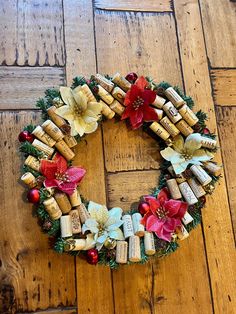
x=26 y=168
x=30 y=128
x=43 y=106
x=29 y=149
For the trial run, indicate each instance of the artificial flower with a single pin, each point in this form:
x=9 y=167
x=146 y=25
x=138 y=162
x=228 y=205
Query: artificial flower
x=137 y=101
x=103 y=223
x=185 y=153
x=165 y=214
x=81 y=114
x=58 y=174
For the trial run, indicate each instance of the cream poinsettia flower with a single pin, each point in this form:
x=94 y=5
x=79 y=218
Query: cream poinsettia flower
x=103 y=223
x=81 y=114
x=184 y=153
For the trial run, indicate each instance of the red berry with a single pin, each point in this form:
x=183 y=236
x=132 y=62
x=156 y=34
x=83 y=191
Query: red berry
x=131 y=77
x=26 y=136
x=143 y=208
x=92 y=256
x=203 y=199
x=206 y=131
x=33 y=196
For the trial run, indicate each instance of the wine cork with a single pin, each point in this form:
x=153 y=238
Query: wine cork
x=187 y=193
x=75 y=221
x=121 y=82
x=52 y=208
x=212 y=168
x=172 y=112
x=75 y=198
x=43 y=147
x=105 y=96
x=134 y=249
x=174 y=97
x=202 y=176
x=106 y=111
x=159 y=102
x=66 y=152
x=149 y=243
x=171 y=171
x=58 y=120
x=188 y=115
x=174 y=189
x=74 y=245
x=104 y=82
x=87 y=91
x=53 y=130
x=184 y=128
x=33 y=163
x=182 y=233
x=208 y=142
x=70 y=141
x=137 y=226
x=187 y=218
x=159 y=130
x=66 y=226
x=43 y=136
x=159 y=112
x=83 y=213
x=127 y=226
x=29 y=179
x=180 y=178
x=169 y=126
x=119 y=94
x=63 y=202
x=196 y=187
x=121 y=252
x=117 y=107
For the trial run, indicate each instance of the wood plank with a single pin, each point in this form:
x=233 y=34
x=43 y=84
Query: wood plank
x=224 y=82
x=132 y=150
x=29 y=270
x=169 y=285
x=226 y=117
x=21 y=87
x=220 y=249
x=58 y=311
x=31 y=33
x=134 y=5
x=124 y=39
x=218 y=18
x=79 y=27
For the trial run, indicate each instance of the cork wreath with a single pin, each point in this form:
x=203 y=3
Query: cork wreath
x=162 y=219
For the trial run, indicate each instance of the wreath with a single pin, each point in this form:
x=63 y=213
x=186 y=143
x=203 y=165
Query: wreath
x=173 y=208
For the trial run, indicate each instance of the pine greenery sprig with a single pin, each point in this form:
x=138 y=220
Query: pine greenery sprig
x=55 y=228
x=26 y=168
x=59 y=245
x=30 y=128
x=52 y=93
x=29 y=149
x=43 y=106
x=42 y=213
x=78 y=81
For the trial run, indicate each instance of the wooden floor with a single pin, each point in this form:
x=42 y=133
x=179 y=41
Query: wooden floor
x=45 y=43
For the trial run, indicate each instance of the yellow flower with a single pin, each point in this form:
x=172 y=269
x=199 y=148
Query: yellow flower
x=185 y=153
x=81 y=114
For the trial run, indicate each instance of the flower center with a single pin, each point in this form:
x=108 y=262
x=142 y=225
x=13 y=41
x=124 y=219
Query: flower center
x=78 y=110
x=138 y=102
x=100 y=229
x=62 y=177
x=186 y=155
x=162 y=213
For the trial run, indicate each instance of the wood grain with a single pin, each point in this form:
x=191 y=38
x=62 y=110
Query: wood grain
x=162 y=286
x=226 y=117
x=134 y=5
x=21 y=87
x=220 y=250
x=98 y=287
x=224 y=82
x=58 y=311
x=31 y=33
x=132 y=149
x=30 y=272
x=218 y=18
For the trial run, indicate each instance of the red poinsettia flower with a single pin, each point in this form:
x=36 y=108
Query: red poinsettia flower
x=137 y=101
x=58 y=174
x=164 y=215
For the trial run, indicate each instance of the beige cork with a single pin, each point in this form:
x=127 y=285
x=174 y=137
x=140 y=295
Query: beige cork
x=134 y=249
x=63 y=202
x=174 y=97
x=188 y=115
x=172 y=112
x=104 y=82
x=33 y=163
x=87 y=91
x=75 y=199
x=184 y=128
x=159 y=102
x=137 y=226
x=169 y=126
x=70 y=141
x=66 y=226
x=52 y=208
x=159 y=130
x=43 y=136
x=121 y=252
x=65 y=150
x=196 y=187
x=47 y=150
x=59 y=121
x=105 y=96
x=53 y=130
x=121 y=82
x=83 y=213
x=187 y=193
x=75 y=220
x=119 y=94
x=29 y=179
x=106 y=111
x=149 y=244
x=212 y=168
x=117 y=107
x=174 y=189
x=202 y=176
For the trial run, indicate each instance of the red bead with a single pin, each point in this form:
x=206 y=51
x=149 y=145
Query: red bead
x=131 y=77
x=33 y=196
x=92 y=256
x=206 y=131
x=143 y=208
x=25 y=136
x=203 y=199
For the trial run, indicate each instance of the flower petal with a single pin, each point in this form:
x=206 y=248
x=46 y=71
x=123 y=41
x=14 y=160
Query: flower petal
x=60 y=162
x=136 y=118
x=202 y=155
x=50 y=183
x=66 y=94
x=75 y=174
x=67 y=187
x=116 y=234
x=80 y=126
x=48 y=168
x=80 y=98
x=149 y=114
x=193 y=142
x=170 y=154
x=115 y=225
x=103 y=237
x=154 y=224
x=141 y=82
x=181 y=166
x=95 y=107
x=178 y=143
x=98 y=212
x=91 y=127
x=65 y=112
x=175 y=208
x=91 y=225
x=148 y=96
x=132 y=95
x=163 y=195
x=90 y=242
